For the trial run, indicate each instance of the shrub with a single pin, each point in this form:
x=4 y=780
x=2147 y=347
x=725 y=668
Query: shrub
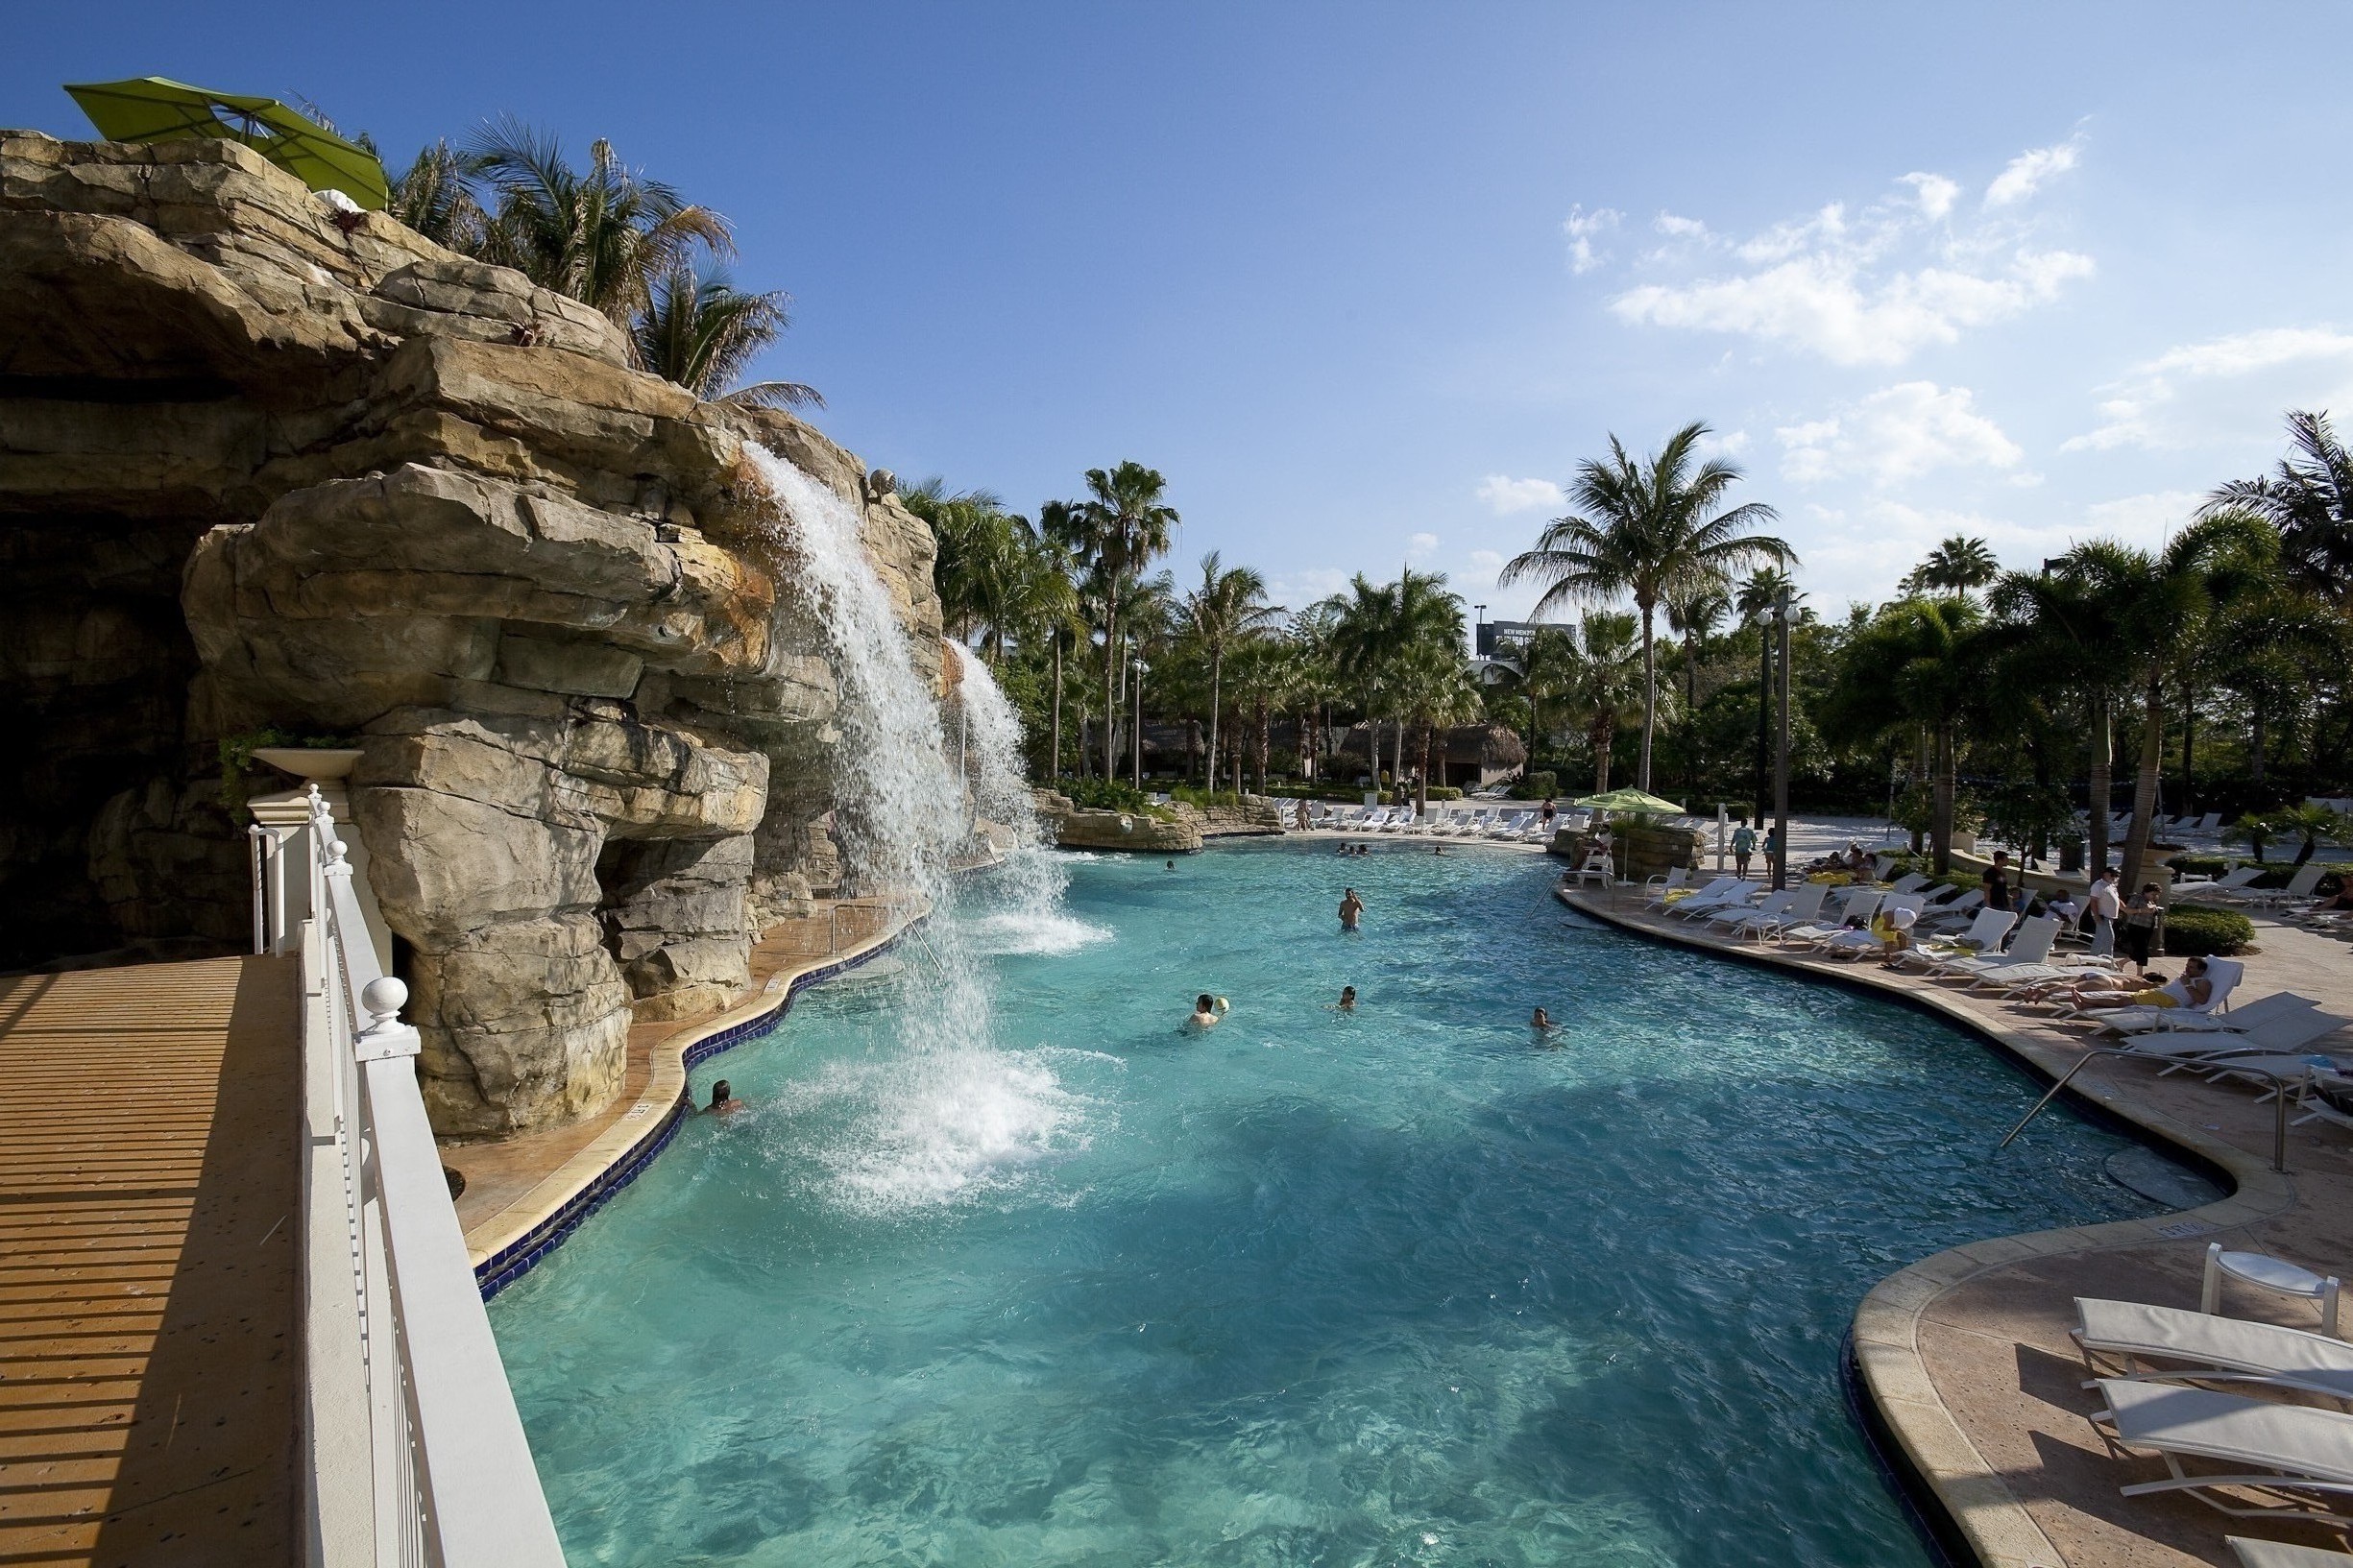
x=1535 y=787
x=2201 y=929
x=1444 y=792
x=2200 y=865
x=1105 y=794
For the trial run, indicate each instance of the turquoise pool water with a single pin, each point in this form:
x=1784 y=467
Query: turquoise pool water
x=1405 y=1287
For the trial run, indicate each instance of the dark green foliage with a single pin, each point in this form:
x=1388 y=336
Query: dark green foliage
x=1105 y=794
x=2201 y=929
x=1535 y=787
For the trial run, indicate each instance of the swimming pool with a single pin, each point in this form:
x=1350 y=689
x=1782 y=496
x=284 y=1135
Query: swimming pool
x=1410 y=1286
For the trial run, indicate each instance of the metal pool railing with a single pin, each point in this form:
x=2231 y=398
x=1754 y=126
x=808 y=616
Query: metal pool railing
x=413 y=1451
x=2279 y=1094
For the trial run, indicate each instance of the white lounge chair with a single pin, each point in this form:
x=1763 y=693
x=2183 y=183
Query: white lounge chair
x=1737 y=895
x=1804 y=906
x=1735 y=915
x=2230 y=882
x=1510 y=824
x=2301 y=1455
x=1855 y=944
x=1858 y=904
x=2129 y=1334
x=2254 y=1554
x=1954 y=913
x=1667 y=881
x=2223 y=975
x=2280 y=1036
x=1911 y=881
x=1715 y=889
x=1983 y=936
x=2300 y=883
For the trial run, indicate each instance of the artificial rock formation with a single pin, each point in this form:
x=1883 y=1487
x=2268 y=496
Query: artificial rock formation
x=268 y=466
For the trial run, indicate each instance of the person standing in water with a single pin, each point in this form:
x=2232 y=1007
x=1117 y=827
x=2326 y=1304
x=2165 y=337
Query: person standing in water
x=723 y=1101
x=1207 y=1011
x=1347 y=998
x=1352 y=910
x=1541 y=1022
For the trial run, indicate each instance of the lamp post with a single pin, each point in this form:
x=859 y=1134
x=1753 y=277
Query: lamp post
x=1140 y=668
x=1764 y=710
x=1780 y=750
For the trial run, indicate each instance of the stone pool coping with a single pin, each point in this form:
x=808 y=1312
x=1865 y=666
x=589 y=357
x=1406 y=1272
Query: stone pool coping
x=506 y=1245
x=1980 y=1508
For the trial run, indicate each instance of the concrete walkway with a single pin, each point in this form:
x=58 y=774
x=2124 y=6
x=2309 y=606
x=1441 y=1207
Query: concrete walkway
x=149 y=1356
x=1966 y=1353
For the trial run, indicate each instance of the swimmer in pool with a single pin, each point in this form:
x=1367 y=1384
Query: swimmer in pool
x=1541 y=1022
x=1352 y=910
x=1207 y=1011
x=1347 y=1000
x=723 y=1101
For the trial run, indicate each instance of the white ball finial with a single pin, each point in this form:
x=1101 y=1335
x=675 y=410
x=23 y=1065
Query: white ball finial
x=385 y=998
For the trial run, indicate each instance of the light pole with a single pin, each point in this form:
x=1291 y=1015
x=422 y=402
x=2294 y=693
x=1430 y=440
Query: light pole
x=1140 y=668
x=1780 y=751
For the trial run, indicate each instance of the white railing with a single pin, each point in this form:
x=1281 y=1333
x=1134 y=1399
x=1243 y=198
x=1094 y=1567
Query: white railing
x=415 y=1454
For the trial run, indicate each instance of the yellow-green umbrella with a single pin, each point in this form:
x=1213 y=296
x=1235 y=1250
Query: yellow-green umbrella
x=1629 y=800
x=157 y=109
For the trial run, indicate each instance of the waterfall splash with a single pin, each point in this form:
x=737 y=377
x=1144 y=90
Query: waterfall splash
x=933 y=1111
x=1027 y=889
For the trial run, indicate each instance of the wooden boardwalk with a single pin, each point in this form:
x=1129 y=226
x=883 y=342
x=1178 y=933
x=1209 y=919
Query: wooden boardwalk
x=149 y=1350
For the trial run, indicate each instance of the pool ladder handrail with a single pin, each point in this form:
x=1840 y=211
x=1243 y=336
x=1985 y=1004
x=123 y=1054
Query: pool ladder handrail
x=2279 y=1096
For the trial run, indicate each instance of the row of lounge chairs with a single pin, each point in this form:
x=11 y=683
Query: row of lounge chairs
x=1503 y=825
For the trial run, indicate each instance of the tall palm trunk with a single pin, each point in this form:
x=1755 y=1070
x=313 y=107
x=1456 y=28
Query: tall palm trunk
x=1422 y=786
x=1941 y=796
x=1601 y=736
x=1110 y=674
x=2102 y=784
x=2145 y=785
x=1217 y=675
x=2255 y=739
x=1650 y=694
x=1053 y=762
x=1266 y=740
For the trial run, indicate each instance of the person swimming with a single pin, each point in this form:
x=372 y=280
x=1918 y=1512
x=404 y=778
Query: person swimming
x=1347 y=1000
x=1542 y=1020
x=1207 y=1011
x=723 y=1101
x=1352 y=910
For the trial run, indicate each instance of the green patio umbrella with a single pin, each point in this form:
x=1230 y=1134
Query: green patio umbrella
x=1629 y=800
x=157 y=109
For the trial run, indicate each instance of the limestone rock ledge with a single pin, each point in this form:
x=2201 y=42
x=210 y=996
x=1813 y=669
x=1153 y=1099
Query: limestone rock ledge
x=262 y=470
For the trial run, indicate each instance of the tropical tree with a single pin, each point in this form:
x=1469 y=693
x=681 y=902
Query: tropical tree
x=2058 y=633
x=1602 y=685
x=433 y=198
x=2308 y=498
x=1379 y=626
x=1433 y=692
x=2158 y=602
x=1122 y=527
x=701 y=331
x=1956 y=566
x=1650 y=530
x=1539 y=670
x=1918 y=662
x=1231 y=603
x=602 y=236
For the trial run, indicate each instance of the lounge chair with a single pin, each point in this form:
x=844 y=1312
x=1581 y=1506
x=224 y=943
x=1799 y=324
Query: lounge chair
x=1731 y=916
x=2224 y=975
x=2213 y=1349
x=2302 y=1456
x=2280 y=1036
x=2314 y=1097
x=1737 y=895
x=1666 y=881
x=1880 y=866
x=2254 y=1554
x=1855 y=944
x=1511 y=822
x=1804 y=905
x=1983 y=936
x=1954 y=913
x=1856 y=904
x=2300 y=885
x=2230 y=882
x=1911 y=881
x=1715 y=889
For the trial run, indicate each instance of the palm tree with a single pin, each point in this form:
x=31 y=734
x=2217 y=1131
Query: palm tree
x=1918 y=662
x=2158 y=602
x=1122 y=527
x=1231 y=603
x=977 y=546
x=701 y=331
x=602 y=236
x=1434 y=690
x=1378 y=626
x=433 y=198
x=2308 y=498
x=1601 y=685
x=2058 y=633
x=1955 y=566
x=1541 y=669
x=1650 y=530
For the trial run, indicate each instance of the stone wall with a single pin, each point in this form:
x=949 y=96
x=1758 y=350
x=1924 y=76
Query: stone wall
x=263 y=467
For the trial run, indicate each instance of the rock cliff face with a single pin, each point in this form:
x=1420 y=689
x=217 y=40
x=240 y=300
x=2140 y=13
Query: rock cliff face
x=260 y=469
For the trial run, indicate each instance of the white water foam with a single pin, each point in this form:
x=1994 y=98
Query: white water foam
x=947 y=1115
x=1030 y=884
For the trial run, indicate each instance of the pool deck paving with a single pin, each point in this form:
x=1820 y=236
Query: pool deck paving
x=1966 y=1354
x=149 y=1170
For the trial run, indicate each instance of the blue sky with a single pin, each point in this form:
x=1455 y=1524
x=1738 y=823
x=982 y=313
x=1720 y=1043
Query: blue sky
x=1364 y=281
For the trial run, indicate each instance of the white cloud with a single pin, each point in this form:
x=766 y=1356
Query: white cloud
x=1936 y=194
x=1487 y=560
x=1897 y=433
x=1872 y=286
x=1580 y=226
x=2141 y=519
x=2225 y=391
x=1505 y=495
x=1723 y=443
x=2024 y=175
x=1419 y=545
x=1297 y=589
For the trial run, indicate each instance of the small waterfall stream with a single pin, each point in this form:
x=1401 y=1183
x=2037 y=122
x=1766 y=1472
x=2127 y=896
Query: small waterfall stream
x=935 y=1111
x=1026 y=892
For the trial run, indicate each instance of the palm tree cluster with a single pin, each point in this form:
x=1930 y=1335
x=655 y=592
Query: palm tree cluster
x=630 y=247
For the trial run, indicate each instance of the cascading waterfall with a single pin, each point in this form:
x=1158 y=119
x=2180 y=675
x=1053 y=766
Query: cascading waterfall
x=935 y=1111
x=1027 y=889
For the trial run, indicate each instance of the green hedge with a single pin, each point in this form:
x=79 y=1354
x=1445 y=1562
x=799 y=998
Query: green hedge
x=2201 y=929
x=1105 y=794
x=1535 y=787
